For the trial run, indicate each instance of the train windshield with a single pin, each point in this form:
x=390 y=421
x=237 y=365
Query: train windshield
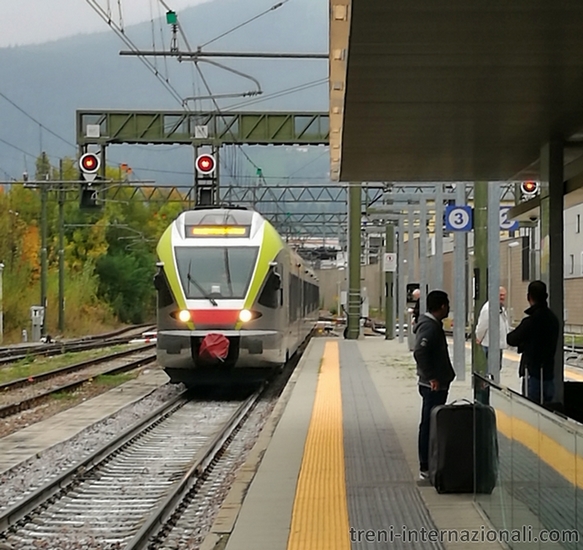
x=216 y=272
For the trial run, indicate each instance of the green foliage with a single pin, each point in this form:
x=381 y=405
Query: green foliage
x=115 y=379
x=109 y=253
x=17 y=298
x=85 y=313
x=125 y=281
x=63 y=396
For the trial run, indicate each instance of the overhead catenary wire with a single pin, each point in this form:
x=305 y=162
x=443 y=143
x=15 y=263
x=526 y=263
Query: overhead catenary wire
x=309 y=163
x=120 y=32
x=273 y=8
x=40 y=124
x=27 y=153
x=280 y=93
x=218 y=109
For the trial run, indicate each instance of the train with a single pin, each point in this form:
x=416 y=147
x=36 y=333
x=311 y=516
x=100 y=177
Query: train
x=232 y=297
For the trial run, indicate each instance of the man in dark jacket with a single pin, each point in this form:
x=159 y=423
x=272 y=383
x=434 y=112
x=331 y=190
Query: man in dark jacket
x=434 y=367
x=536 y=338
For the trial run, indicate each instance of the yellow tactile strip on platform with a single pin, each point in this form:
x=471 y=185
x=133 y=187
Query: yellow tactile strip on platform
x=320 y=513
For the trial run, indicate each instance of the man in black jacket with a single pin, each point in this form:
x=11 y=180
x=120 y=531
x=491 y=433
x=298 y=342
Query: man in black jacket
x=434 y=367
x=536 y=338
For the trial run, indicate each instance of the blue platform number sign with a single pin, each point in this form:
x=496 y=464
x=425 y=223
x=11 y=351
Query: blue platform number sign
x=458 y=218
x=505 y=223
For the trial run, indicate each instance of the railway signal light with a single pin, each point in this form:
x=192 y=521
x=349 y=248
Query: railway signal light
x=529 y=188
x=89 y=164
x=205 y=164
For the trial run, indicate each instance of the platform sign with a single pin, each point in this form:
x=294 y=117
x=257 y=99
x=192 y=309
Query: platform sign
x=458 y=218
x=505 y=223
x=390 y=262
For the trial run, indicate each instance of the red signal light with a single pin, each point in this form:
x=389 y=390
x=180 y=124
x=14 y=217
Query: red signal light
x=89 y=163
x=529 y=187
x=205 y=164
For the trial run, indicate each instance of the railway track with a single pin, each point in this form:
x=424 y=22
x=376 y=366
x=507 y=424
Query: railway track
x=129 y=490
x=25 y=393
x=121 y=336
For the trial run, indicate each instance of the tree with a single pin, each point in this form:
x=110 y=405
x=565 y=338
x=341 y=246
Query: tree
x=125 y=281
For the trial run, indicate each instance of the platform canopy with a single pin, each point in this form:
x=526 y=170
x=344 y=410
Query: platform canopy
x=445 y=90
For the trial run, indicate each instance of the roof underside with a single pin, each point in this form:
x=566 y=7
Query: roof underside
x=440 y=90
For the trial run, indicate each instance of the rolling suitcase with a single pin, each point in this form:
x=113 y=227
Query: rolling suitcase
x=452 y=446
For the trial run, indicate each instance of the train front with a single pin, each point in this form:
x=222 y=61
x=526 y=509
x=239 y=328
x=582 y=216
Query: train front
x=219 y=287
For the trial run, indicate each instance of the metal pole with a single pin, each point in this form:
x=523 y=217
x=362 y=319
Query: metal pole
x=423 y=257
x=389 y=315
x=509 y=308
x=480 y=267
x=494 y=280
x=354 y=214
x=43 y=252
x=410 y=247
x=395 y=283
x=61 y=250
x=459 y=290
x=552 y=246
x=194 y=197
x=401 y=279
x=217 y=193
x=438 y=262
x=381 y=289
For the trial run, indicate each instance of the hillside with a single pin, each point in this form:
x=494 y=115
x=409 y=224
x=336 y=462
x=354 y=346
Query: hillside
x=50 y=81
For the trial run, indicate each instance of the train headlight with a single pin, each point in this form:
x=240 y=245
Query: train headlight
x=245 y=315
x=184 y=315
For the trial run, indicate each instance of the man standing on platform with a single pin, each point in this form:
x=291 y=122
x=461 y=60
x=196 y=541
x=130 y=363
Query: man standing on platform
x=482 y=327
x=434 y=367
x=536 y=339
x=414 y=311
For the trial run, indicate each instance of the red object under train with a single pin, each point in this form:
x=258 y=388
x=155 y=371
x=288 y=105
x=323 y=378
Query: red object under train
x=214 y=346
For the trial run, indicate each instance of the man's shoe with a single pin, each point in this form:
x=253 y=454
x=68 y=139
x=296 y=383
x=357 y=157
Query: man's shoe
x=423 y=474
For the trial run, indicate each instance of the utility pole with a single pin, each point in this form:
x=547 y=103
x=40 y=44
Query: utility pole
x=354 y=221
x=61 y=250
x=494 y=280
x=389 y=278
x=480 y=269
x=401 y=279
x=459 y=292
x=43 y=253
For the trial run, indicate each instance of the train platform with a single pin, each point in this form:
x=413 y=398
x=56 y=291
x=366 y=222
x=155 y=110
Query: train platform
x=337 y=467
x=37 y=438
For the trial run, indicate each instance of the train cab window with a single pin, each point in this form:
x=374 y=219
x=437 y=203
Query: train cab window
x=216 y=272
x=271 y=293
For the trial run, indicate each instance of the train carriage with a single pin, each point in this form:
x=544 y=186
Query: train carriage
x=231 y=295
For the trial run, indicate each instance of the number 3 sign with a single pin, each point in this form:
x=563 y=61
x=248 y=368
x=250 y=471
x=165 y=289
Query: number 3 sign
x=458 y=218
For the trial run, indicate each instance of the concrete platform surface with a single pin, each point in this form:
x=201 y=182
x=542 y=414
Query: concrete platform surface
x=258 y=511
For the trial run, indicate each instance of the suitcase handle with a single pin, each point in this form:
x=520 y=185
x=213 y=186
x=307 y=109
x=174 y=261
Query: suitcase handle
x=461 y=401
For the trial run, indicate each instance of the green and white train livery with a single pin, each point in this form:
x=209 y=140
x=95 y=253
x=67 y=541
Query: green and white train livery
x=231 y=295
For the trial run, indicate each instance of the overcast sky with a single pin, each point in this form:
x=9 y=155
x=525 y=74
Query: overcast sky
x=35 y=21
